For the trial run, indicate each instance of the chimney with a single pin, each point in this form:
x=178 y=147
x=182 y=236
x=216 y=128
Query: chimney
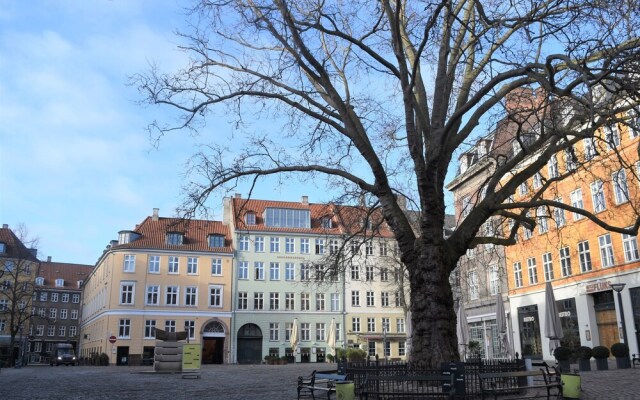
x=238 y=196
x=5 y=226
x=48 y=258
x=34 y=252
x=305 y=199
x=155 y=214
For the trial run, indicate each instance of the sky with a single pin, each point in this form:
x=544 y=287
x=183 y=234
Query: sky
x=76 y=162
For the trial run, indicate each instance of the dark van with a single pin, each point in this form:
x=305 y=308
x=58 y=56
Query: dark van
x=63 y=354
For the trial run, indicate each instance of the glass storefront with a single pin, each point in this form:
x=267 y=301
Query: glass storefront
x=569 y=320
x=486 y=334
x=529 y=326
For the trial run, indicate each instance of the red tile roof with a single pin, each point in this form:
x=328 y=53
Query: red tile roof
x=14 y=248
x=153 y=234
x=70 y=273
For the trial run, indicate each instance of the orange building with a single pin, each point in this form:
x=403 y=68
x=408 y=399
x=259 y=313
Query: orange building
x=580 y=257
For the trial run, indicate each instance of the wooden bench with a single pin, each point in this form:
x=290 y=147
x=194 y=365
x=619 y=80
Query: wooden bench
x=407 y=386
x=515 y=382
x=319 y=381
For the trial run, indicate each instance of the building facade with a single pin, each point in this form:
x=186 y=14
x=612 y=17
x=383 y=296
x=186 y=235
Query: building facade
x=169 y=274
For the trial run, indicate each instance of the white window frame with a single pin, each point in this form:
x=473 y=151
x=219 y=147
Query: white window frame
x=173 y=265
x=130 y=294
x=532 y=270
x=584 y=256
x=620 y=186
x=606 y=251
x=192 y=265
x=577 y=202
x=216 y=296
x=547 y=266
x=597 y=196
x=630 y=246
x=154 y=264
x=129 y=264
x=151 y=292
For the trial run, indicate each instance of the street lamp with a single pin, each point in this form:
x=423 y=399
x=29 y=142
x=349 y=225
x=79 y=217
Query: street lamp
x=618 y=288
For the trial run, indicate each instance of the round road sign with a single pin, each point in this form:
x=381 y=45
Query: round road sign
x=112 y=339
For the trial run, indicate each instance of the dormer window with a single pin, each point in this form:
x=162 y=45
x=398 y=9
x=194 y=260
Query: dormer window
x=250 y=218
x=80 y=282
x=327 y=223
x=216 y=241
x=39 y=281
x=288 y=218
x=3 y=247
x=125 y=237
x=59 y=282
x=175 y=238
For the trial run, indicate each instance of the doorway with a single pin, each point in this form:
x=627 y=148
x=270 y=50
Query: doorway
x=122 y=355
x=606 y=318
x=213 y=342
x=250 y=344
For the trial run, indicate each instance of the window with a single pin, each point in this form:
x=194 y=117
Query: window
x=274 y=271
x=192 y=266
x=216 y=266
x=243 y=270
x=576 y=201
x=174 y=265
x=250 y=218
x=171 y=296
x=170 y=325
x=355 y=272
x=289 y=301
x=474 y=289
x=259 y=244
x=289 y=245
x=54 y=297
x=517 y=274
x=368 y=248
x=606 y=250
x=552 y=166
x=288 y=218
x=466 y=206
x=372 y=348
x=327 y=223
x=274 y=245
x=597 y=197
x=124 y=328
x=565 y=262
x=190 y=327
x=126 y=292
x=612 y=136
x=59 y=283
x=76 y=298
x=532 y=270
x=355 y=324
x=384 y=299
x=320 y=302
x=64 y=313
x=558 y=215
x=304 y=302
x=319 y=246
x=370 y=296
x=40 y=330
x=289 y=271
x=368 y=273
x=191 y=296
x=62 y=330
x=74 y=314
x=355 y=247
x=543 y=220
x=216 y=241
x=630 y=244
x=371 y=324
x=402 y=349
x=43 y=295
x=547 y=266
x=355 y=298
x=154 y=264
x=258 y=301
x=400 y=325
x=523 y=188
x=150 y=329
x=129 y=263
x=304 y=246
x=39 y=281
x=215 y=296
x=305 y=272
x=335 y=301
x=320 y=330
x=334 y=245
x=620 y=188
x=174 y=238
x=634 y=123
x=244 y=243
x=383 y=248
x=589 y=149
x=51 y=331
x=153 y=295
x=274 y=301
x=304 y=331
x=274 y=331
x=537 y=180
x=53 y=312
x=584 y=256
x=243 y=301
x=258 y=268
x=494 y=280
x=384 y=275
x=73 y=331
x=570 y=159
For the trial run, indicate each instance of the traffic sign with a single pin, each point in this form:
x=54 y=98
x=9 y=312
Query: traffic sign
x=112 y=339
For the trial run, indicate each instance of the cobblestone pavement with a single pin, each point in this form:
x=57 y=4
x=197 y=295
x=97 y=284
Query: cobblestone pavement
x=232 y=382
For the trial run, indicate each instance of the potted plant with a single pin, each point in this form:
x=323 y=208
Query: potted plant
x=562 y=355
x=331 y=358
x=474 y=349
x=584 y=354
x=621 y=352
x=601 y=353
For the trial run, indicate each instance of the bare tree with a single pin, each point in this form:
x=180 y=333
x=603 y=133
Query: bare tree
x=379 y=97
x=18 y=266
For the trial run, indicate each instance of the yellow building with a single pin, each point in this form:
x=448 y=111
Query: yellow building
x=168 y=273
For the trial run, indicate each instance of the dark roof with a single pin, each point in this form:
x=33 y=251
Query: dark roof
x=70 y=273
x=153 y=235
x=14 y=248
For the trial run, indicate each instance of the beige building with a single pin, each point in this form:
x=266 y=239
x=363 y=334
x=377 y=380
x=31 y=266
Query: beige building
x=167 y=273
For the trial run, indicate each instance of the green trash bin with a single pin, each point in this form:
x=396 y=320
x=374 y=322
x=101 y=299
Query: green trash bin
x=345 y=391
x=571 y=386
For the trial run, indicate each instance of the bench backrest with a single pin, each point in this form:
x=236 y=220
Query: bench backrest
x=331 y=377
x=508 y=380
x=441 y=385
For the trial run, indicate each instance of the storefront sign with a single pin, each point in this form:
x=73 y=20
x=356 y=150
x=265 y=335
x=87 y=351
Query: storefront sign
x=528 y=319
x=564 y=314
x=598 y=286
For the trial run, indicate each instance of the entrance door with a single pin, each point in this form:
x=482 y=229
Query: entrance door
x=212 y=350
x=250 y=344
x=606 y=318
x=122 y=355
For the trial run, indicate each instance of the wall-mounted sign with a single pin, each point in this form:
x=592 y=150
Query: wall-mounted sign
x=528 y=319
x=597 y=286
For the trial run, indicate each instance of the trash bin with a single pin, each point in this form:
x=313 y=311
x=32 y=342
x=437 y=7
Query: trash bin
x=571 y=386
x=345 y=391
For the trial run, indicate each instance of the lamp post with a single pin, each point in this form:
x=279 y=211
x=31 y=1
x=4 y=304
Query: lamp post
x=618 y=288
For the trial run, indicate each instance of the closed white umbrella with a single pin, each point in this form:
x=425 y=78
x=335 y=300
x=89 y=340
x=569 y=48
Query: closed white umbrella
x=331 y=338
x=462 y=329
x=409 y=333
x=552 y=324
x=501 y=325
x=293 y=339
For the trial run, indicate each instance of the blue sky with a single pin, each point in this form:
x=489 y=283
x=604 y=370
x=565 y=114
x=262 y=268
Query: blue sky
x=76 y=163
